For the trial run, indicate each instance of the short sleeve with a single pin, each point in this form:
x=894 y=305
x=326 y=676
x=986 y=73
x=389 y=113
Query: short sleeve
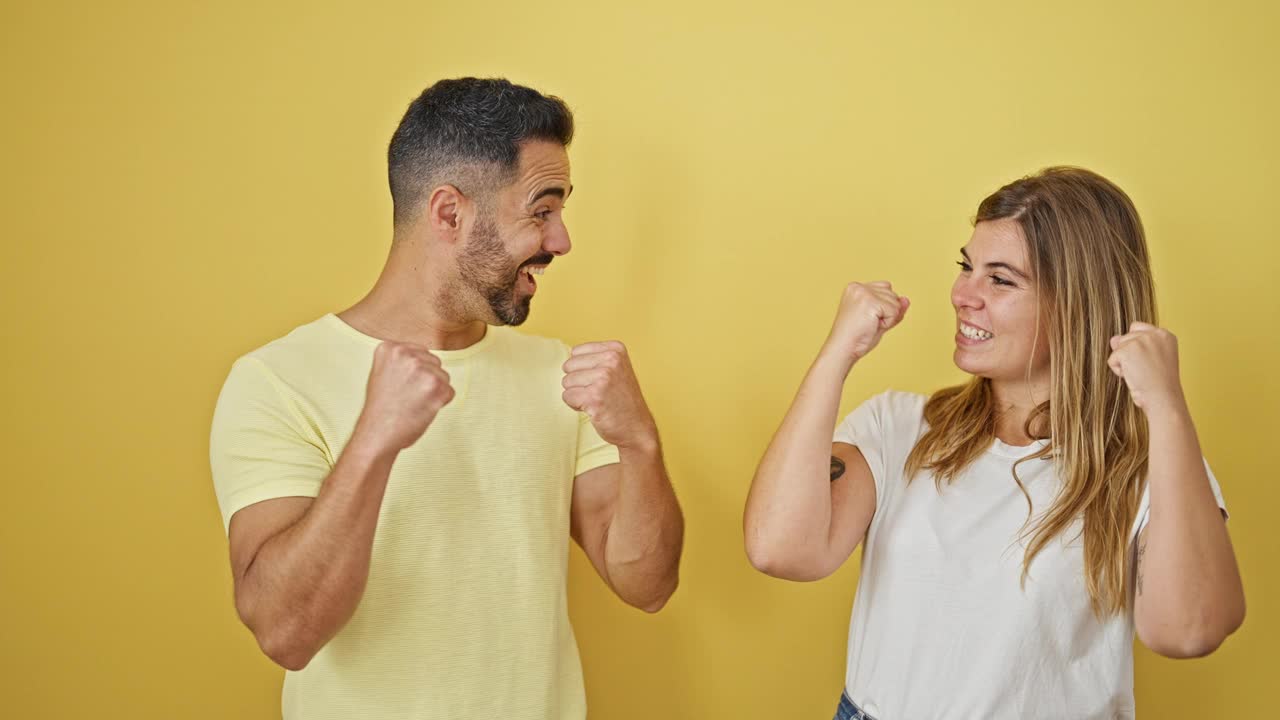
x=259 y=447
x=1144 y=505
x=884 y=429
x=593 y=451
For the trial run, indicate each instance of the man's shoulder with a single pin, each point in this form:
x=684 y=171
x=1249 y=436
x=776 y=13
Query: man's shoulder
x=307 y=348
x=533 y=348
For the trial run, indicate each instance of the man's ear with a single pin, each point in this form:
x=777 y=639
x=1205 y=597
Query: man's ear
x=447 y=209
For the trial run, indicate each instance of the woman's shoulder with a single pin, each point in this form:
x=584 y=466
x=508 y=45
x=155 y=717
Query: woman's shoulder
x=889 y=413
x=897 y=404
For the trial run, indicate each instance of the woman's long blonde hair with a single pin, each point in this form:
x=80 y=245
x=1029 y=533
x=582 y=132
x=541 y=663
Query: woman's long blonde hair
x=1089 y=258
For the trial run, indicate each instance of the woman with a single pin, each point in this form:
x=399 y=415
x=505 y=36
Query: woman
x=1016 y=528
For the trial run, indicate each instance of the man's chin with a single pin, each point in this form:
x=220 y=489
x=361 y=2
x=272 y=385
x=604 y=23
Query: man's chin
x=513 y=315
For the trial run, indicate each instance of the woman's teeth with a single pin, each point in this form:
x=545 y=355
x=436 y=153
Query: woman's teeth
x=974 y=333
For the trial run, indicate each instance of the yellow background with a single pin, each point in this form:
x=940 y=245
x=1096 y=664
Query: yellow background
x=184 y=182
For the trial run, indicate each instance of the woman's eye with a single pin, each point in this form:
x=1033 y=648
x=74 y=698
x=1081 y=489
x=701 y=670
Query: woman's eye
x=963 y=265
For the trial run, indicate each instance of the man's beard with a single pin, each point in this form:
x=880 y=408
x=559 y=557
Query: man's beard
x=485 y=267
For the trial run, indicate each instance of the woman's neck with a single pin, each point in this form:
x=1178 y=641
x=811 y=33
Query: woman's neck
x=1016 y=403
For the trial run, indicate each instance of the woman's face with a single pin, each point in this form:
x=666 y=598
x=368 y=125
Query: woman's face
x=998 y=306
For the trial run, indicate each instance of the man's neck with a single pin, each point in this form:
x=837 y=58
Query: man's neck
x=405 y=306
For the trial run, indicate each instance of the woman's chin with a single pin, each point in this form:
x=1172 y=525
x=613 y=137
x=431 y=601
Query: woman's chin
x=983 y=370
x=965 y=362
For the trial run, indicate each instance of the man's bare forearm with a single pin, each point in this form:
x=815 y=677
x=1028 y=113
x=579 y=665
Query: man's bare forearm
x=645 y=536
x=304 y=583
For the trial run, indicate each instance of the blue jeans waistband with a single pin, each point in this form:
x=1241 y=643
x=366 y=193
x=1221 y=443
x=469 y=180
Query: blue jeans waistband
x=847 y=710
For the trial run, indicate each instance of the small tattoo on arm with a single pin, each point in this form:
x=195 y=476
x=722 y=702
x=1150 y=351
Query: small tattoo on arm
x=837 y=468
x=1142 y=549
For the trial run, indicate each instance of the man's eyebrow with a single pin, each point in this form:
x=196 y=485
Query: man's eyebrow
x=555 y=190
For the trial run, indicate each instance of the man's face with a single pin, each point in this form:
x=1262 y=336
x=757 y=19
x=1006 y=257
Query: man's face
x=518 y=236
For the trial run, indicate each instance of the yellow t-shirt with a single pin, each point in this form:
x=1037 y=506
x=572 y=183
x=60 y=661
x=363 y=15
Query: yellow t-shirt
x=465 y=613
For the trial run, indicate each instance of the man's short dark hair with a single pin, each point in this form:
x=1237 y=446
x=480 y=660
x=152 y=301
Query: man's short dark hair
x=467 y=132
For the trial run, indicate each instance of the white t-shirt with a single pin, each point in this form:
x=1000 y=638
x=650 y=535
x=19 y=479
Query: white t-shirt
x=941 y=627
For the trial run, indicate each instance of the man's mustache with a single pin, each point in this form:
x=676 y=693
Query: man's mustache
x=543 y=259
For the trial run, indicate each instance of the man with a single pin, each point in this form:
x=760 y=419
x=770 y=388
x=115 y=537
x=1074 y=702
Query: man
x=399 y=480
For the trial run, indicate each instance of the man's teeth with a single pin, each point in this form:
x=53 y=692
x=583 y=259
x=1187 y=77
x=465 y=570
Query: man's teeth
x=537 y=269
x=973 y=333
